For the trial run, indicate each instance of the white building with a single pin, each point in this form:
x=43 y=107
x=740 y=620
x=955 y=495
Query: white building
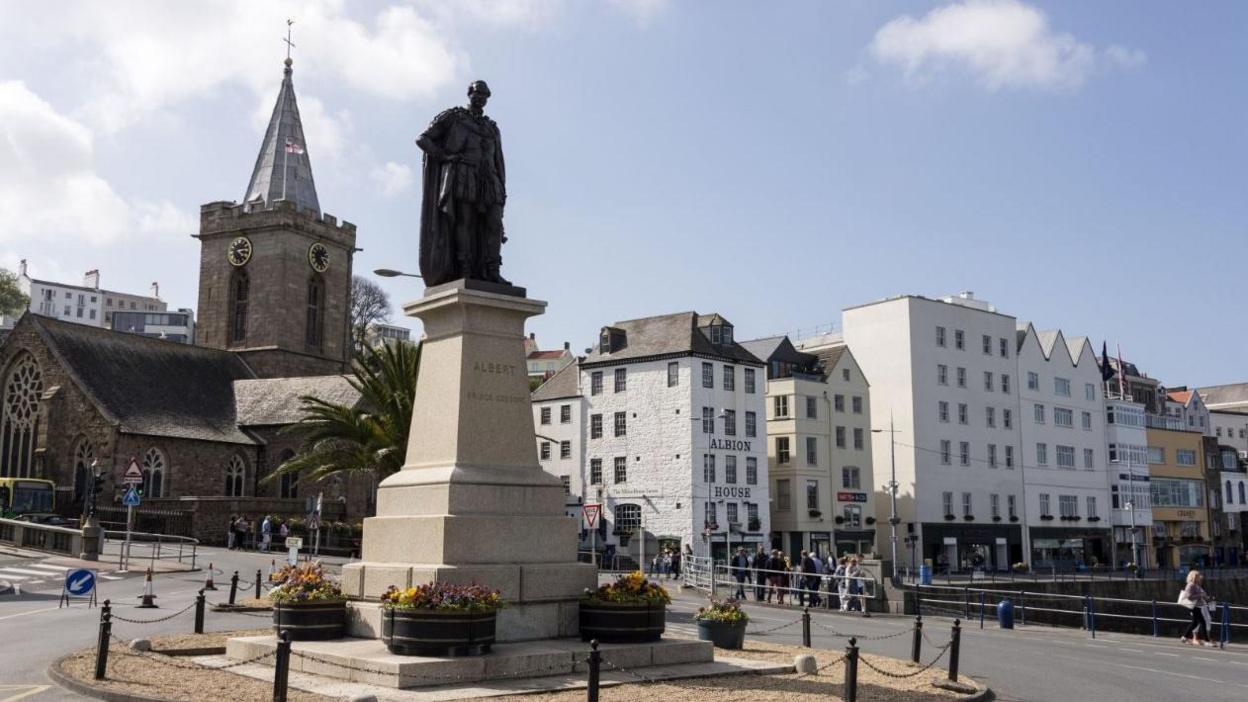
x=1231 y=429
x=1064 y=450
x=543 y=364
x=87 y=303
x=379 y=333
x=670 y=417
x=945 y=372
x=1131 y=499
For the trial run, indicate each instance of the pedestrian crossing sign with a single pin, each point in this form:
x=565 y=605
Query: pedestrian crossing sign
x=131 y=498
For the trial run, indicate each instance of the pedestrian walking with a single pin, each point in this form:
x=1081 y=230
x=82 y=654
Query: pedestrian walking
x=240 y=533
x=842 y=583
x=806 y=566
x=266 y=533
x=779 y=568
x=1194 y=598
x=816 y=578
x=857 y=592
x=230 y=532
x=741 y=571
x=283 y=530
x=759 y=564
x=676 y=565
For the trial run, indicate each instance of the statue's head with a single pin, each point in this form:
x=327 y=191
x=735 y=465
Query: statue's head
x=478 y=94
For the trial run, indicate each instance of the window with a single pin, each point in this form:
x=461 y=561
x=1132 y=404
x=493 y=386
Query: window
x=19 y=418
x=782 y=449
x=92 y=314
x=239 y=286
x=942 y=410
x=545 y=415
x=940 y=336
x=1004 y=347
x=154 y=475
x=812 y=410
x=961 y=377
x=1086 y=419
x=545 y=451
x=1068 y=505
x=595 y=383
x=987 y=345
x=1042 y=454
x=780 y=403
x=1089 y=394
x=751 y=425
x=1185 y=457
x=1065 y=456
x=1009 y=456
x=959 y=339
x=812 y=494
x=751 y=512
x=708 y=468
x=730 y=378
x=990 y=417
x=730 y=422
x=812 y=451
x=845 y=374
x=749 y=381
x=621 y=424
x=987 y=381
x=964 y=452
x=1113 y=453
x=621 y=469
x=751 y=470
x=235 y=477
x=855 y=403
x=1063 y=417
x=838 y=403
x=851 y=478
x=858 y=439
x=992 y=455
x=621 y=379
x=784 y=497
x=595 y=471
x=1061 y=387
x=1156 y=454
x=994 y=504
x=966 y=505
x=314 y=332
x=853 y=516
x=944 y=451
x=1033 y=381
x=565 y=449
x=1241 y=494
x=711 y=521
x=1089 y=458
x=1045 y=509
x=84 y=456
x=946 y=501
x=840 y=437
x=708 y=420
x=963 y=414
x=1007 y=419
x=731 y=509
x=730 y=470
x=673 y=374
x=595 y=426
x=1005 y=383
x=1091 y=502
x=942 y=374
x=708 y=375
x=627 y=519
x=565 y=414
x=1039 y=413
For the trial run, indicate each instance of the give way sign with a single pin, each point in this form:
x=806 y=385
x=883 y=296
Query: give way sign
x=591 y=513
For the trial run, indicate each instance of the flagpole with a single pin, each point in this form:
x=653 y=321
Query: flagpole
x=1122 y=372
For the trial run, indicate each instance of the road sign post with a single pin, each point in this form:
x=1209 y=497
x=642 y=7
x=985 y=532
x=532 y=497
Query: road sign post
x=592 y=513
x=133 y=477
x=293 y=544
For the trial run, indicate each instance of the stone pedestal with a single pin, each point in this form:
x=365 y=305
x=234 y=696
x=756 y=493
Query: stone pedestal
x=92 y=539
x=472 y=504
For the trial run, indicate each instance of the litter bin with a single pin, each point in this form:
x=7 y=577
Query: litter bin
x=1005 y=614
x=925 y=575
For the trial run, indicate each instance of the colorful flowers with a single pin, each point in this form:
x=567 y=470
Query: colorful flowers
x=305 y=582
x=632 y=588
x=722 y=611
x=447 y=597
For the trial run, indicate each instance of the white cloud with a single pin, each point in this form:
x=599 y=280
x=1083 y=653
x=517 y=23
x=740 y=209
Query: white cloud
x=393 y=178
x=1003 y=43
x=49 y=190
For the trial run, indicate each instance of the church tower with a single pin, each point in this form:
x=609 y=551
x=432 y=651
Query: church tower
x=274 y=271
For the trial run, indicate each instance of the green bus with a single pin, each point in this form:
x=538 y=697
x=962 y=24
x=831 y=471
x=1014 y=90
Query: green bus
x=26 y=496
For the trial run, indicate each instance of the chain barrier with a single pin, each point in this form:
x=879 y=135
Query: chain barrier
x=775 y=628
x=119 y=618
x=933 y=643
x=646 y=680
x=125 y=650
x=829 y=664
x=911 y=674
x=861 y=637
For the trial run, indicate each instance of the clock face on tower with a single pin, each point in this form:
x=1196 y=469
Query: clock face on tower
x=239 y=252
x=318 y=257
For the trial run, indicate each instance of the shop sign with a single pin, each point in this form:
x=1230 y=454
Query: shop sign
x=730 y=492
x=730 y=445
x=851 y=497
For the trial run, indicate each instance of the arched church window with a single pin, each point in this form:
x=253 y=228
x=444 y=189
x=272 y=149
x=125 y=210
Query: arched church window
x=153 y=473
x=235 y=476
x=19 y=418
x=239 y=291
x=316 y=312
x=288 y=483
x=84 y=455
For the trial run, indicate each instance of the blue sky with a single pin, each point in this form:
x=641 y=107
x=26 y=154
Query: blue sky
x=1078 y=164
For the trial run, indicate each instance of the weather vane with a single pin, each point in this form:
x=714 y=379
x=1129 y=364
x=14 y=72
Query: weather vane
x=289 y=44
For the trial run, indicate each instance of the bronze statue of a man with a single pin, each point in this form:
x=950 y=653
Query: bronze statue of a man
x=461 y=214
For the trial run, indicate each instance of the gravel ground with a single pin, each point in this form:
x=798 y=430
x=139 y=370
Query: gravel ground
x=192 y=641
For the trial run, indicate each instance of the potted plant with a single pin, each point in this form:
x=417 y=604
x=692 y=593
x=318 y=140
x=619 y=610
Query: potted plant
x=814 y=513
x=1046 y=517
x=755 y=525
x=722 y=623
x=1019 y=567
x=440 y=619
x=870 y=520
x=996 y=517
x=629 y=610
x=1013 y=517
x=308 y=604
x=839 y=519
x=950 y=517
x=969 y=517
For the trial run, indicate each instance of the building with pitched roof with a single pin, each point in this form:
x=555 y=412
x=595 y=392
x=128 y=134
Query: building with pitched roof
x=543 y=364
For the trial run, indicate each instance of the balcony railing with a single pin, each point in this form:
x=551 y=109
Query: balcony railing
x=1161 y=421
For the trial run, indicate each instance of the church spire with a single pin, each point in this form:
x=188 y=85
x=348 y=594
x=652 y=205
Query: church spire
x=283 y=170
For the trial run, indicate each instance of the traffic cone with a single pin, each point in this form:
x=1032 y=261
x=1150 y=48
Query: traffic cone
x=208 y=584
x=272 y=568
x=147 y=595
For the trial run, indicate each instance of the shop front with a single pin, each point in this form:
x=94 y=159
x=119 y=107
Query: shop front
x=855 y=542
x=1066 y=548
x=961 y=548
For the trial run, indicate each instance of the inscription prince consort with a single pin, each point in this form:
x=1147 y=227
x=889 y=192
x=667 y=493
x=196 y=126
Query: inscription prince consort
x=491 y=368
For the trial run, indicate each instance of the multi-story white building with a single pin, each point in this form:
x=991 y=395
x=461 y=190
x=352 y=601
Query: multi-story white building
x=1064 y=466
x=87 y=303
x=1230 y=427
x=559 y=416
x=1131 y=501
x=671 y=420
x=945 y=373
x=379 y=333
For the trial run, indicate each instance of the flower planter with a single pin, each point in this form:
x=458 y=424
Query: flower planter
x=431 y=632
x=311 y=621
x=622 y=623
x=722 y=634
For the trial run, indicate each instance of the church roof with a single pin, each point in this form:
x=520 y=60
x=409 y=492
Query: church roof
x=276 y=401
x=150 y=386
x=284 y=172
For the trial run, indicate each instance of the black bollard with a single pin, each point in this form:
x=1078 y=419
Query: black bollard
x=257 y=583
x=281 y=667
x=806 y=627
x=851 y=671
x=916 y=644
x=106 y=630
x=595 y=664
x=954 y=644
x=199 y=612
x=233 y=586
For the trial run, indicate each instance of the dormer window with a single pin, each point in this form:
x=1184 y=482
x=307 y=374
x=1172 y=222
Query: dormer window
x=611 y=339
x=721 y=334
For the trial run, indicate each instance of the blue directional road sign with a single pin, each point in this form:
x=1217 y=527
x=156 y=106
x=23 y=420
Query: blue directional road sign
x=79 y=582
x=131 y=498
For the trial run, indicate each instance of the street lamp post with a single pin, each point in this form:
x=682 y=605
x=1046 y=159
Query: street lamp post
x=391 y=273
x=1135 y=550
x=892 y=486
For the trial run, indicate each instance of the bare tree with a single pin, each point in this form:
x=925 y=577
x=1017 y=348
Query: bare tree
x=369 y=304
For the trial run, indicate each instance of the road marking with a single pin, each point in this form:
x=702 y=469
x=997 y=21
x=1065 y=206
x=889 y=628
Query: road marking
x=1131 y=650
x=19 y=692
x=1207 y=660
x=25 y=571
x=104 y=576
x=1167 y=655
x=33 y=611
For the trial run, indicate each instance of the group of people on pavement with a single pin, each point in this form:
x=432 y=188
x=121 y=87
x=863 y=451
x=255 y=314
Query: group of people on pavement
x=244 y=532
x=813 y=581
x=666 y=563
x=1194 y=597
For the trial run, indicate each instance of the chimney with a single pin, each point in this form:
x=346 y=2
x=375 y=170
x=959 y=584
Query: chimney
x=156 y=290
x=92 y=279
x=21 y=268
x=567 y=346
x=967 y=295
x=532 y=336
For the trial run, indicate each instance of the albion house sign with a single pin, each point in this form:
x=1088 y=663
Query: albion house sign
x=730 y=445
x=730 y=492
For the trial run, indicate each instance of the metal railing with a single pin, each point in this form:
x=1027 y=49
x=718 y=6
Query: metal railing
x=149 y=547
x=1058 y=574
x=702 y=574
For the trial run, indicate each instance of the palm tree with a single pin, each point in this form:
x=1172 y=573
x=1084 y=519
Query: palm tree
x=369 y=437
